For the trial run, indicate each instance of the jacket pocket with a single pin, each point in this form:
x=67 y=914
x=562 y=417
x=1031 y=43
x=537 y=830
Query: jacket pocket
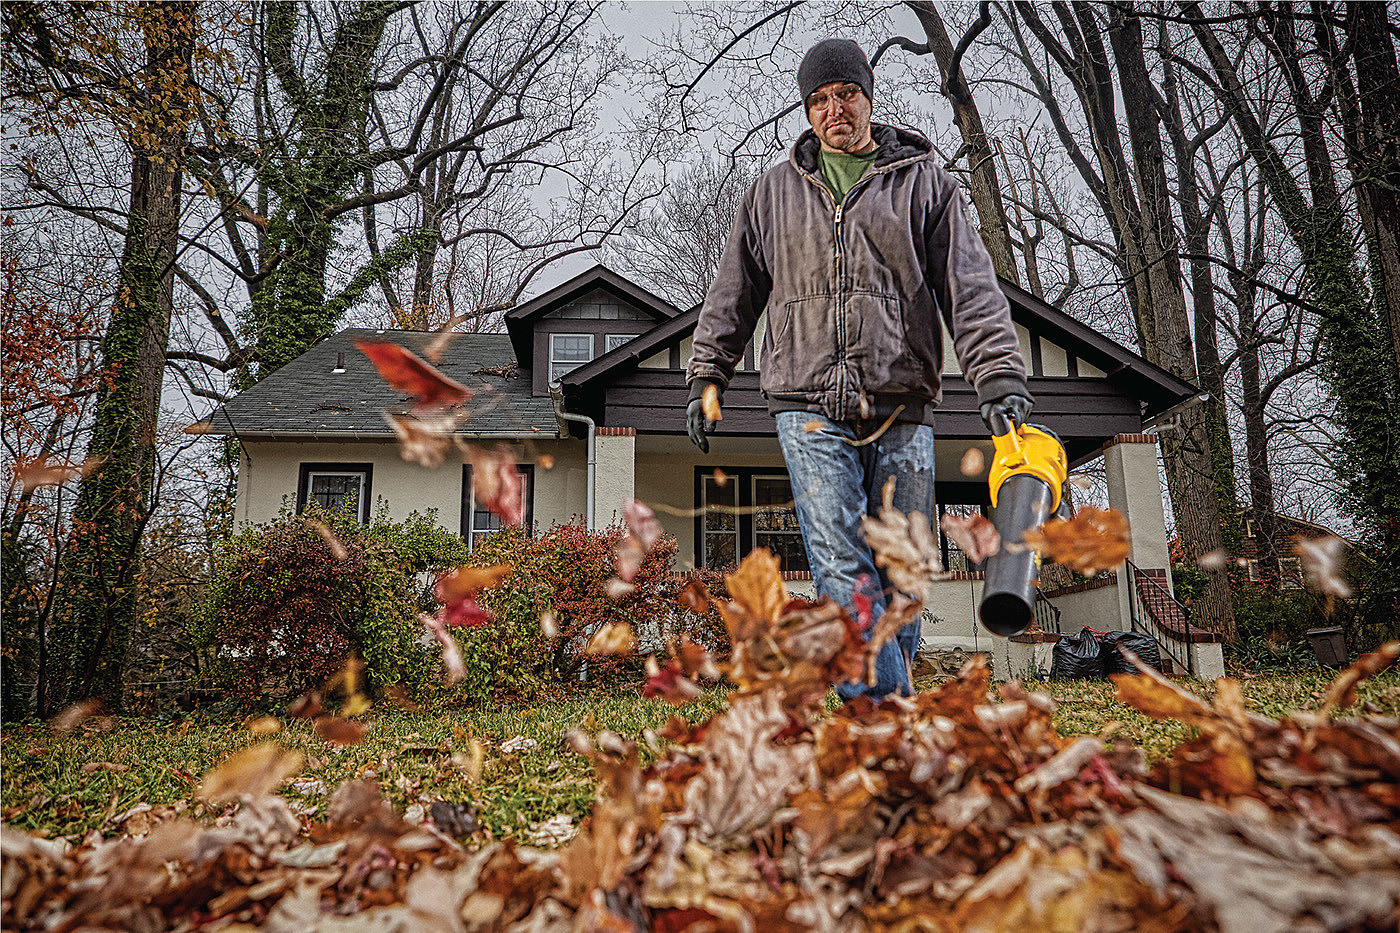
x=804 y=346
x=880 y=343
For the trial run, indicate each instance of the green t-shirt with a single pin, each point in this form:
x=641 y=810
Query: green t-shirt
x=842 y=170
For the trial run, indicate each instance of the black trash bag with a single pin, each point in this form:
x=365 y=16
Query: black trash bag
x=1077 y=657
x=1139 y=643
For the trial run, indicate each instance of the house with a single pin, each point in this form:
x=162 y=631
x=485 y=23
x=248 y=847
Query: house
x=587 y=387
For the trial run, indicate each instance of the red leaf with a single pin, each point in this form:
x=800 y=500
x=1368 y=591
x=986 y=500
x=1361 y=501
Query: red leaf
x=669 y=683
x=405 y=372
x=464 y=612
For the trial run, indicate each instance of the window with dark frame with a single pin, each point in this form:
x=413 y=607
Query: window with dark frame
x=743 y=509
x=334 y=485
x=568 y=352
x=477 y=520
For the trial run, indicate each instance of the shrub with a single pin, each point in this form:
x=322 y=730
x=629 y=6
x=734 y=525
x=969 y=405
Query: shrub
x=562 y=572
x=285 y=612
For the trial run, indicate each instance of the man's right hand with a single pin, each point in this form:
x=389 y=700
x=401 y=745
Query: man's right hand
x=697 y=425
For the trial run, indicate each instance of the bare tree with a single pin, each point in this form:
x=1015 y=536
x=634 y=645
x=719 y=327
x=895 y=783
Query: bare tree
x=675 y=248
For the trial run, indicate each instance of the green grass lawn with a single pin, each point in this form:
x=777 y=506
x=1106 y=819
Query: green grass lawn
x=64 y=784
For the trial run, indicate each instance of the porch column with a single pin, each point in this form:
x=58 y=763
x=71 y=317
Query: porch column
x=1135 y=489
x=1130 y=463
x=616 y=477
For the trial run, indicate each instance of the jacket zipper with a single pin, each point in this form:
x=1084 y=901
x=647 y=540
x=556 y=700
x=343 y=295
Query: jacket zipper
x=840 y=262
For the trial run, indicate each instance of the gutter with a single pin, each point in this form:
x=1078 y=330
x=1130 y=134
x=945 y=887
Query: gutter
x=556 y=395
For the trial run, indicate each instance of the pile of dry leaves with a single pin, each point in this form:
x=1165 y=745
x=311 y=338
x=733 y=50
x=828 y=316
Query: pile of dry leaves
x=946 y=811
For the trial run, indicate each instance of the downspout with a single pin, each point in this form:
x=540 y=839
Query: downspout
x=556 y=395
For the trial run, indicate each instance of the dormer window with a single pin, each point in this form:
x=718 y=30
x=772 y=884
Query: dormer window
x=568 y=352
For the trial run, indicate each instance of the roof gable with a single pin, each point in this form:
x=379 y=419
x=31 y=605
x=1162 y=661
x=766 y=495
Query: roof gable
x=637 y=304
x=1157 y=388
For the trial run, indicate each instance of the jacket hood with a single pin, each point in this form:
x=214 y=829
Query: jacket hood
x=896 y=144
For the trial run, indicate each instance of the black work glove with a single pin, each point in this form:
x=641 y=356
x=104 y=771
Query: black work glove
x=1001 y=415
x=696 y=424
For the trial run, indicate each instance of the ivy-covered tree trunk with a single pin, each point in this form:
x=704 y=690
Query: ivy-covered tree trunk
x=98 y=574
x=321 y=164
x=1355 y=348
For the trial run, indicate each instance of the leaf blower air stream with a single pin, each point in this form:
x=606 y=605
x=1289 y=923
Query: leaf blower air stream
x=1026 y=480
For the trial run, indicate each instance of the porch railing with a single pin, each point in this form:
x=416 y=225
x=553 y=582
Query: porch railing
x=1154 y=611
x=1047 y=614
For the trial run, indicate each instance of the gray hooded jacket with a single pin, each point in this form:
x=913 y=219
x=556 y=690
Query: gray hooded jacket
x=854 y=291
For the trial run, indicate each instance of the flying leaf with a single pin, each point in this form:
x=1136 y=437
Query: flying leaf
x=37 y=472
x=1093 y=540
x=669 y=683
x=627 y=558
x=974 y=534
x=904 y=545
x=709 y=403
x=1322 y=564
x=338 y=550
x=497 y=483
x=264 y=725
x=643 y=523
x=757 y=586
x=973 y=463
x=454 y=668
x=1213 y=561
x=306 y=706
x=406 y=373
x=464 y=613
x=1342 y=691
x=339 y=731
x=73 y=716
x=611 y=638
x=901 y=611
x=255 y=771
x=694 y=597
x=461 y=582
x=813 y=426
x=424 y=441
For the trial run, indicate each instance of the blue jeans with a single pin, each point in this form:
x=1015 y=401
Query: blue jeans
x=835 y=484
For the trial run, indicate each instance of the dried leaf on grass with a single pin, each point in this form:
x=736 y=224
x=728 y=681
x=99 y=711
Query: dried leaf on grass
x=944 y=811
x=1093 y=540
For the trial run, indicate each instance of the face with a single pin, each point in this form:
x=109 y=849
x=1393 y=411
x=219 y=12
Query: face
x=840 y=116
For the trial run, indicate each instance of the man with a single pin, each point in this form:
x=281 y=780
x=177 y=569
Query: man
x=856 y=246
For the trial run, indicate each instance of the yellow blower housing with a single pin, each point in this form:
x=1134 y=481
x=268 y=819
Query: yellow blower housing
x=1033 y=452
x=1025 y=481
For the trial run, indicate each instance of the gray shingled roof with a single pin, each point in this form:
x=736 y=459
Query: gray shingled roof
x=306 y=399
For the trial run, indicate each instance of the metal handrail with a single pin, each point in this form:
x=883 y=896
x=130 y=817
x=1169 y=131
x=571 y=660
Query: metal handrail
x=1142 y=619
x=1047 y=614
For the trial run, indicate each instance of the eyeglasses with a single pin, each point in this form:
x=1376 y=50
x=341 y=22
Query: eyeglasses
x=820 y=100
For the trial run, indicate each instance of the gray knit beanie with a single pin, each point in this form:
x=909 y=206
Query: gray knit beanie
x=834 y=60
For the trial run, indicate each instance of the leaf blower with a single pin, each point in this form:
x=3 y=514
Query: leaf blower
x=1026 y=479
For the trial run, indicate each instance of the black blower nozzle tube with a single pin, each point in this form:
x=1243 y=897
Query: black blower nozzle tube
x=1008 y=591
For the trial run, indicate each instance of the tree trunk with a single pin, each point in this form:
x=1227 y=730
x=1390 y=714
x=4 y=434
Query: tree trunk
x=100 y=565
x=1261 y=483
x=981 y=160
x=1375 y=162
x=1194 y=477
x=1355 y=349
x=1211 y=373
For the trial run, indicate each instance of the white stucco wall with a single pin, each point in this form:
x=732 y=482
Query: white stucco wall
x=1096 y=608
x=269 y=471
